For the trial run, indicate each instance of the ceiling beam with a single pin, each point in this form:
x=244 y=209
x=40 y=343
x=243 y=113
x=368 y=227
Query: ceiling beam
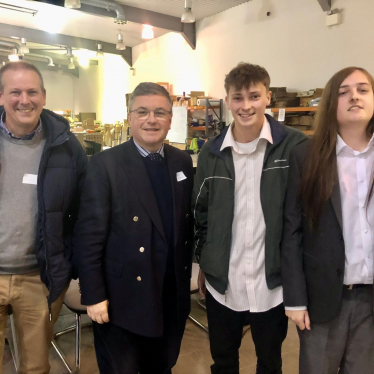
x=42 y=37
x=325 y=4
x=142 y=16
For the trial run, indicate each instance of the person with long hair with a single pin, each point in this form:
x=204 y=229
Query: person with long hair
x=327 y=247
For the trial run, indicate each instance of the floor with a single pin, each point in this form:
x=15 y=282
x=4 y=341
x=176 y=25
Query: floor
x=194 y=357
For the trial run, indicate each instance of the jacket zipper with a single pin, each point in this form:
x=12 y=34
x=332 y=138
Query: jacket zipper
x=42 y=225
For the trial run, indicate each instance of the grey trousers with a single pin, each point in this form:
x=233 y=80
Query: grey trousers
x=347 y=342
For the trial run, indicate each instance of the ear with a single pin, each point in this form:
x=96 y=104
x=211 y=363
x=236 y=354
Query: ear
x=44 y=97
x=227 y=102
x=268 y=97
x=1 y=99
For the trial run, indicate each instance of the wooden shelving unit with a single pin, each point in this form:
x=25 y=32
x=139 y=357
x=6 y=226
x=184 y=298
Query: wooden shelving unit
x=198 y=128
x=296 y=109
x=202 y=107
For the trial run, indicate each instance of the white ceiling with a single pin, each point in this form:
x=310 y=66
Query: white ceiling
x=71 y=22
x=200 y=8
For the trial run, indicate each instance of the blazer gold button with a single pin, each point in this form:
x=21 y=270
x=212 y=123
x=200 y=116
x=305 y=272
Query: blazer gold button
x=185 y=268
x=141 y=249
x=136 y=219
x=187 y=215
x=139 y=278
x=186 y=243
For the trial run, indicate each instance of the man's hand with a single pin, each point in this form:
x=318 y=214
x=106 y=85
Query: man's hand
x=201 y=283
x=300 y=317
x=99 y=312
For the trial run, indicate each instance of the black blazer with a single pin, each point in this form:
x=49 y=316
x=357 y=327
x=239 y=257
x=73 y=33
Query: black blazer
x=120 y=243
x=313 y=261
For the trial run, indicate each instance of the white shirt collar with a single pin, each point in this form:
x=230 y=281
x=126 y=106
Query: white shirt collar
x=229 y=140
x=341 y=144
x=145 y=152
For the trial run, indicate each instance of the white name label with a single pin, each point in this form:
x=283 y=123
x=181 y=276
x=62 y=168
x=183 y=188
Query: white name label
x=180 y=176
x=30 y=179
x=281 y=115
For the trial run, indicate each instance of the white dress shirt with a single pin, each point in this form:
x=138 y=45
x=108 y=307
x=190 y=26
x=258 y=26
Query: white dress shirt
x=355 y=175
x=247 y=288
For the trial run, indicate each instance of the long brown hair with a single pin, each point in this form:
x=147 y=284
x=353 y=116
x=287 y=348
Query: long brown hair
x=320 y=168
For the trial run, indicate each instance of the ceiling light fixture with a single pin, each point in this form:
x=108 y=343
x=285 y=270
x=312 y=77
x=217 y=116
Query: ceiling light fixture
x=71 y=65
x=50 y=63
x=120 y=46
x=99 y=53
x=14 y=56
x=147 y=32
x=188 y=16
x=72 y=4
x=23 y=49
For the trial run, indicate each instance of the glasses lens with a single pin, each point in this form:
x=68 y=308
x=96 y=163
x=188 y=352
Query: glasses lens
x=143 y=113
x=161 y=114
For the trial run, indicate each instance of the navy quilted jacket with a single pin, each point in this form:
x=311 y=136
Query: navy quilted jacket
x=61 y=172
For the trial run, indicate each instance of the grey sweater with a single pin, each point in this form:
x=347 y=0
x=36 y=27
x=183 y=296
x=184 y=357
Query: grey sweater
x=18 y=203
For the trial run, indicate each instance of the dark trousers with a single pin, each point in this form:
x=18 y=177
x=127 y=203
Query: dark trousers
x=269 y=329
x=119 y=351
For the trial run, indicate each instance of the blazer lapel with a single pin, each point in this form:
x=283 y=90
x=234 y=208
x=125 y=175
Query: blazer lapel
x=136 y=172
x=337 y=204
x=177 y=188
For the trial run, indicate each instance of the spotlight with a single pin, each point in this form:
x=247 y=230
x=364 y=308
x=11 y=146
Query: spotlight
x=120 y=46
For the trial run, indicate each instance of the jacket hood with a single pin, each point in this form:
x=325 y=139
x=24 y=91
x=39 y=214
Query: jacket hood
x=55 y=126
x=278 y=133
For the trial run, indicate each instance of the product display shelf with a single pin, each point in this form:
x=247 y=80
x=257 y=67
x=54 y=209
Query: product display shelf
x=217 y=111
x=296 y=109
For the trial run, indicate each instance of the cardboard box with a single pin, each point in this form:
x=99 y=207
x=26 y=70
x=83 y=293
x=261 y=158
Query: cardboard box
x=197 y=93
x=305 y=100
x=306 y=120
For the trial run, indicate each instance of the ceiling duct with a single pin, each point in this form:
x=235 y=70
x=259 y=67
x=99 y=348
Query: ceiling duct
x=109 y=5
x=11 y=45
x=50 y=61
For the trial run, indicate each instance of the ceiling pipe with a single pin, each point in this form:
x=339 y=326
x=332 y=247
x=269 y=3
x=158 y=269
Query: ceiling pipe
x=50 y=61
x=109 y=5
x=11 y=45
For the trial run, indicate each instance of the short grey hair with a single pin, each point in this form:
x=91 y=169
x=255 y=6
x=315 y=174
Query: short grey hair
x=147 y=89
x=20 y=65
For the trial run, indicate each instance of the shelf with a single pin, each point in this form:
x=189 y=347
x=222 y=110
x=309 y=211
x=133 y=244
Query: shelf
x=202 y=107
x=296 y=109
x=201 y=128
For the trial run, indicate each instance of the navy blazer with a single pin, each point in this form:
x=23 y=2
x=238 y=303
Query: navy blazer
x=120 y=243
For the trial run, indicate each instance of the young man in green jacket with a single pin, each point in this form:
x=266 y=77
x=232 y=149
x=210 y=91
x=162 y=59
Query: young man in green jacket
x=238 y=209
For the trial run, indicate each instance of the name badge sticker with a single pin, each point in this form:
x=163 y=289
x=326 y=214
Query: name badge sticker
x=181 y=176
x=30 y=179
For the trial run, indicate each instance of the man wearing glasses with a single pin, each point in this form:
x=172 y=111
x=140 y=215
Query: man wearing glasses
x=133 y=243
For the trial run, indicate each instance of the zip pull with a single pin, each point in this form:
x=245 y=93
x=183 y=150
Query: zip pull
x=50 y=314
x=226 y=296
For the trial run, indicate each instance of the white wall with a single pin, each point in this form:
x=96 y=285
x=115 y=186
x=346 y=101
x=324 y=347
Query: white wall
x=100 y=88
x=60 y=90
x=86 y=90
x=293 y=44
x=113 y=79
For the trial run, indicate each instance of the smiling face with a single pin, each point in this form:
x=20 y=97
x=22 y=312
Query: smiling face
x=248 y=106
x=356 y=100
x=151 y=132
x=23 y=100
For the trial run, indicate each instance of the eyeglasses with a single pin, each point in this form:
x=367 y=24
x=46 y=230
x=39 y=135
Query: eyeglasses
x=143 y=113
